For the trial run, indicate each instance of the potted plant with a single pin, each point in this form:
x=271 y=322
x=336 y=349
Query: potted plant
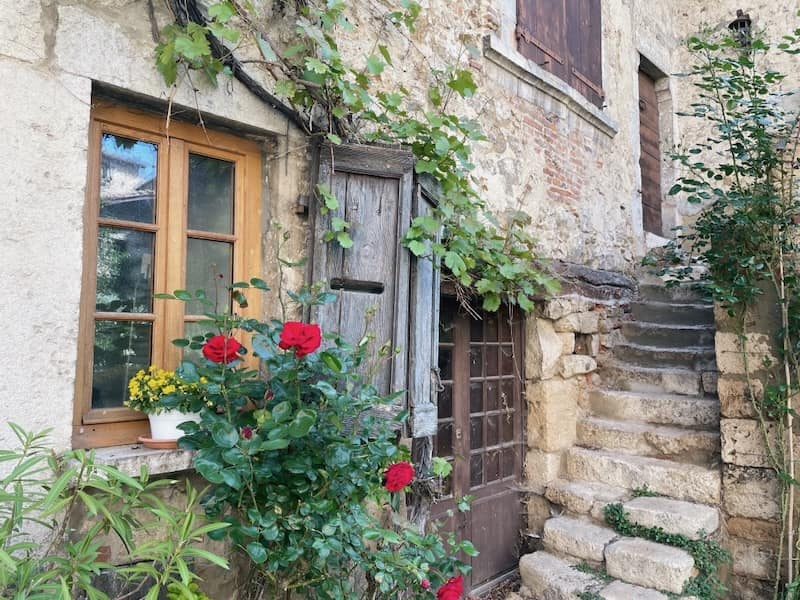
x=167 y=401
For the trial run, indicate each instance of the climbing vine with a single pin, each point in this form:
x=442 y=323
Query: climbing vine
x=708 y=555
x=338 y=100
x=745 y=173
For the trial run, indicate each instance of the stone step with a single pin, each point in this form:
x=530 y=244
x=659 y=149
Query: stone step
x=620 y=376
x=699 y=358
x=673 y=516
x=575 y=538
x=679 y=293
x=650 y=565
x=668 y=336
x=665 y=409
x=646 y=439
x=672 y=313
x=584 y=497
x=547 y=576
x=619 y=590
x=673 y=479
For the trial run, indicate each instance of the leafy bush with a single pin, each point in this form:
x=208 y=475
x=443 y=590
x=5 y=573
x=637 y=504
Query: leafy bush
x=41 y=491
x=297 y=464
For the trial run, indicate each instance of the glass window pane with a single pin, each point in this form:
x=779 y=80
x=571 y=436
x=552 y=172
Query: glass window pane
x=128 y=179
x=507 y=422
x=476 y=330
x=493 y=430
x=476 y=470
x=492 y=466
x=490 y=361
x=508 y=462
x=444 y=440
x=210 y=194
x=445 y=363
x=507 y=360
x=491 y=327
x=124 y=270
x=476 y=397
x=121 y=348
x=475 y=361
x=208 y=268
x=475 y=432
x=492 y=395
x=446 y=401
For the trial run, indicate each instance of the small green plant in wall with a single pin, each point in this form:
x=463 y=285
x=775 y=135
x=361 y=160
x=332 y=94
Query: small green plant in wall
x=343 y=100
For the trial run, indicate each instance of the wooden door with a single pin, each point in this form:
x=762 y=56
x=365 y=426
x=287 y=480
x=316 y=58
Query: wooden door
x=374 y=190
x=480 y=421
x=650 y=157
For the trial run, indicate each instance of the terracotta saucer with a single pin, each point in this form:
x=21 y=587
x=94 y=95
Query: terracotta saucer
x=158 y=444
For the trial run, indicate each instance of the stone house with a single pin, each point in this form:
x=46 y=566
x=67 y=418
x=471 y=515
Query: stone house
x=578 y=100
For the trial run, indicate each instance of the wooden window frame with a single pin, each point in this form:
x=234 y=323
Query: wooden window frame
x=94 y=428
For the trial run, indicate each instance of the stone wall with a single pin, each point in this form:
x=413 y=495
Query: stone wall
x=562 y=345
x=750 y=490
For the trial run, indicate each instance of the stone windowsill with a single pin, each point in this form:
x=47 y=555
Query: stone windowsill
x=130 y=458
x=532 y=74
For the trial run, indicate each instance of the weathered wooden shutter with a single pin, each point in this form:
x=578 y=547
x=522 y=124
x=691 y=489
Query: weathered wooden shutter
x=542 y=34
x=584 y=48
x=423 y=372
x=374 y=187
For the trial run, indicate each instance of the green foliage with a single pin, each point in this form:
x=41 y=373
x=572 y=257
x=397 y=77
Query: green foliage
x=644 y=491
x=708 y=555
x=745 y=174
x=48 y=492
x=497 y=261
x=296 y=464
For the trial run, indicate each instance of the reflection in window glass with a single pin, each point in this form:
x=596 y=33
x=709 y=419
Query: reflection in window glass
x=124 y=270
x=210 y=194
x=128 y=179
x=208 y=268
x=121 y=348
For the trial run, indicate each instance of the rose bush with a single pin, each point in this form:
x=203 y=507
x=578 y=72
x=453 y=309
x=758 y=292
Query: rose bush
x=222 y=349
x=296 y=460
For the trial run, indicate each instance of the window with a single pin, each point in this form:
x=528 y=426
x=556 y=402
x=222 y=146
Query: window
x=565 y=38
x=165 y=211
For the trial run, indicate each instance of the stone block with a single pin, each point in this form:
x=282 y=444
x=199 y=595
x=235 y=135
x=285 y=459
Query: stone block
x=22 y=30
x=538 y=510
x=567 y=342
x=584 y=322
x=540 y=469
x=611 y=339
x=557 y=308
x=752 y=559
x=620 y=590
x=547 y=576
x=552 y=414
x=756 y=343
x=576 y=364
x=753 y=529
x=587 y=344
x=736 y=398
x=743 y=442
x=543 y=349
x=746 y=588
x=673 y=516
x=750 y=492
x=649 y=564
x=709 y=381
x=576 y=538
x=584 y=497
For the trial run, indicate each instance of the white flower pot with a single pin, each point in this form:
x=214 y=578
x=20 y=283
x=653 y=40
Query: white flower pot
x=164 y=426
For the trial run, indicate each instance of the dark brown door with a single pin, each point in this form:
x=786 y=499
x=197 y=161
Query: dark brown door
x=650 y=159
x=480 y=422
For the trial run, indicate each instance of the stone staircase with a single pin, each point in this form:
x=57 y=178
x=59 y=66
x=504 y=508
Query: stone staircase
x=652 y=424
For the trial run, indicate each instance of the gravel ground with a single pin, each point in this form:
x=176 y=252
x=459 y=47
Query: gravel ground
x=500 y=591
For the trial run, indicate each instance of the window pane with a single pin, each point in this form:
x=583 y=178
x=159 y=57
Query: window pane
x=476 y=470
x=128 y=179
x=124 y=270
x=208 y=267
x=210 y=194
x=446 y=401
x=120 y=349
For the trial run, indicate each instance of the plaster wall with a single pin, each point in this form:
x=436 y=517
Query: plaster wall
x=51 y=53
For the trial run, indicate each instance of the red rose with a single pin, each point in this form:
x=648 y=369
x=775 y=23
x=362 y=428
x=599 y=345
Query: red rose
x=426 y=585
x=303 y=337
x=398 y=476
x=247 y=432
x=452 y=590
x=221 y=349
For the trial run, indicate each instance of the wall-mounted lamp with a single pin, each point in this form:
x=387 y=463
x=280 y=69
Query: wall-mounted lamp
x=741 y=27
